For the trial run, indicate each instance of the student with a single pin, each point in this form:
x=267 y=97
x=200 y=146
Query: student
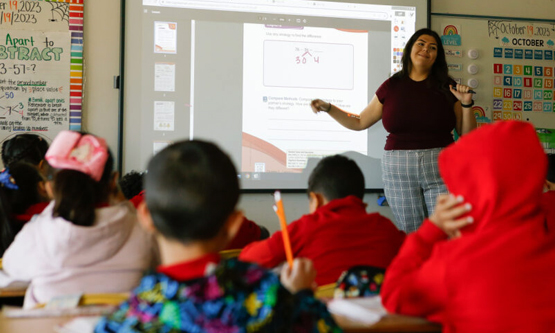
x=28 y=197
x=550 y=178
x=22 y=195
x=25 y=147
x=132 y=187
x=484 y=261
x=80 y=244
x=191 y=196
x=548 y=198
x=131 y=184
x=338 y=233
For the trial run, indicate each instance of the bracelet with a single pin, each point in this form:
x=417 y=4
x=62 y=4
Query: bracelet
x=329 y=108
x=467 y=105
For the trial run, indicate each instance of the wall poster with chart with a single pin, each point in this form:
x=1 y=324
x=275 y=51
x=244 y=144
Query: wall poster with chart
x=41 y=67
x=509 y=63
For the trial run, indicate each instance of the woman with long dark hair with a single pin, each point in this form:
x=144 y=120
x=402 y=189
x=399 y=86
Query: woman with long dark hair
x=419 y=106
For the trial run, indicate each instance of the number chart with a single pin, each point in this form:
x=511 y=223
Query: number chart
x=41 y=66
x=519 y=88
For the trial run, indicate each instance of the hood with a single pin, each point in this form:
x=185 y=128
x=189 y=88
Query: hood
x=69 y=245
x=499 y=169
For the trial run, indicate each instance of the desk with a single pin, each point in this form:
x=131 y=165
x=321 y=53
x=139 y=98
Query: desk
x=35 y=325
x=390 y=323
x=12 y=292
x=12 y=296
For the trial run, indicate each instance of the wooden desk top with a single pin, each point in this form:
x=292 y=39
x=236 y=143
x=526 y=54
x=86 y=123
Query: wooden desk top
x=12 y=292
x=38 y=325
x=390 y=323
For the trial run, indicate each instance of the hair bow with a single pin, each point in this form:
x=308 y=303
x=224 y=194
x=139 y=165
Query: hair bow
x=7 y=181
x=74 y=151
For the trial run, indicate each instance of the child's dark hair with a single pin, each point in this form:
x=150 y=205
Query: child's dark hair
x=191 y=189
x=337 y=177
x=16 y=199
x=131 y=184
x=551 y=168
x=27 y=147
x=76 y=195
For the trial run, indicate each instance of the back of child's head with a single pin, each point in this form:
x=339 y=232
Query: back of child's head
x=81 y=170
x=20 y=184
x=27 y=147
x=551 y=168
x=337 y=177
x=131 y=184
x=191 y=189
x=19 y=190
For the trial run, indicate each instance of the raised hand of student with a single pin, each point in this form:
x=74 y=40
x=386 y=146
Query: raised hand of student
x=300 y=277
x=448 y=214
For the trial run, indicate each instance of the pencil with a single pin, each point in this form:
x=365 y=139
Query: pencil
x=278 y=208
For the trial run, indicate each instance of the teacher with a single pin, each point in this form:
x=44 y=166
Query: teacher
x=420 y=106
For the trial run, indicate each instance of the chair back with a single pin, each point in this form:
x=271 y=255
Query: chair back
x=325 y=291
x=228 y=254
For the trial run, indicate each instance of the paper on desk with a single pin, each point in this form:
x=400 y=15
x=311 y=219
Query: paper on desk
x=9 y=283
x=78 y=325
x=368 y=310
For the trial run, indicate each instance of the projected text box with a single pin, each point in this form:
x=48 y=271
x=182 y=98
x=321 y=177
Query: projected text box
x=308 y=65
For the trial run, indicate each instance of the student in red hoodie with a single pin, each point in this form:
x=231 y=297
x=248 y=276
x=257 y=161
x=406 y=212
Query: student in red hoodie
x=484 y=261
x=338 y=233
x=132 y=187
x=548 y=198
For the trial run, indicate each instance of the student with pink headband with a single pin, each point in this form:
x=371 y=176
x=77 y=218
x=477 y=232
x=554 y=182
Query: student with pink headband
x=80 y=243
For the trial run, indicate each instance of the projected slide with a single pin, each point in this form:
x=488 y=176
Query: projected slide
x=284 y=68
x=242 y=73
x=298 y=65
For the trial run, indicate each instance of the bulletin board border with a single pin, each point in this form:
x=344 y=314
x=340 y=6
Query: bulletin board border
x=76 y=16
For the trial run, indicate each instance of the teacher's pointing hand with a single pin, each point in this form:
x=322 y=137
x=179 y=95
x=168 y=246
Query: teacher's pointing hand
x=319 y=105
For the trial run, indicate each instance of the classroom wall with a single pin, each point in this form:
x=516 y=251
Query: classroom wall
x=101 y=62
x=100 y=109
x=531 y=9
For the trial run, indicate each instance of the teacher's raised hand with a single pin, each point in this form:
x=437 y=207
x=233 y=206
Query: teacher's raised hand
x=462 y=93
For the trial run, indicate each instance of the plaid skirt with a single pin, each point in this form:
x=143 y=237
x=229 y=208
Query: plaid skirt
x=411 y=184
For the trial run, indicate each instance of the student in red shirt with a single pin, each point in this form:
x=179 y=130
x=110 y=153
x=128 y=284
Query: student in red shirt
x=484 y=261
x=338 y=233
x=191 y=196
x=548 y=197
x=248 y=231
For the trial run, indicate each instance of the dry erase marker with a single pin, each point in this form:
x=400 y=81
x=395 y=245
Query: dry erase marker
x=278 y=208
x=470 y=91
